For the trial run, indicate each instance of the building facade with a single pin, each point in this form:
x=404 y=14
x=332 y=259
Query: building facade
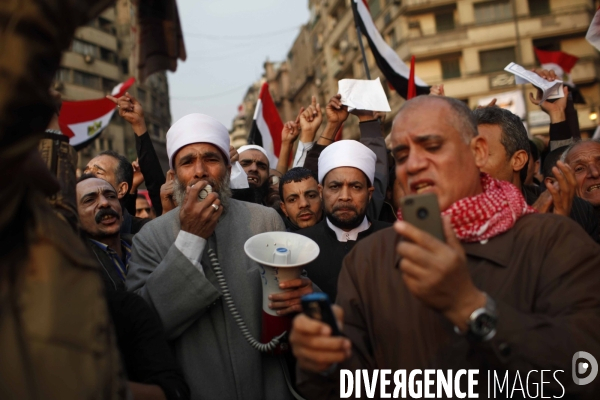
x=101 y=56
x=463 y=44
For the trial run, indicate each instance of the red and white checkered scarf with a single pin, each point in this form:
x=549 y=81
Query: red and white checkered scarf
x=487 y=214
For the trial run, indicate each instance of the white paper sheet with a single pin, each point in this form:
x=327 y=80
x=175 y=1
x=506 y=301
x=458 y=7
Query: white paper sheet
x=550 y=90
x=359 y=94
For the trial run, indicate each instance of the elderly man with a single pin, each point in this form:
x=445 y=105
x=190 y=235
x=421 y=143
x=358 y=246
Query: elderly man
x=584 y=159
x=346 y=176
x=183 y=262
x=508 y=291
x=255 y=162
x=300 y=199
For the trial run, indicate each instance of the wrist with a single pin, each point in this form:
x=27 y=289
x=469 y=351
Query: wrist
x=459 y=314
x=557 y=116
x=139 y=129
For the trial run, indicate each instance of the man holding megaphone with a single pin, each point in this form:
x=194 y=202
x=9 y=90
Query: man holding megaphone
x=185 y=260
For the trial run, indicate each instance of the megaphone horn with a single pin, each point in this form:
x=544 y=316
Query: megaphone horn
x=281 y=256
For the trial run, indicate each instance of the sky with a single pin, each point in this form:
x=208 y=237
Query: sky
x=227 y=42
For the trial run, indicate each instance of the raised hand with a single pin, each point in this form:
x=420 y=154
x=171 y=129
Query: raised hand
x=138 y=177
x=336 y=112
x=555 y=108
x=166 y=193
x=310 y=120
x=558 y=199
x=289 y=133
x=131 y=110
x=289 y=302
x=437 y=90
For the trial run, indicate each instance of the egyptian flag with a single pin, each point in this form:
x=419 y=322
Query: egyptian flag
x=561 y=63
x=389 y=63
x=83 y=121
x=267 y=126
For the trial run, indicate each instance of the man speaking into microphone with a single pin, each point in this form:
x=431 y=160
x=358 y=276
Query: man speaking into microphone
x=171 y=269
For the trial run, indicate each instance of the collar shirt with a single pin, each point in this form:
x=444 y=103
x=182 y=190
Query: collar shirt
x=121 y=265
x=344 y=236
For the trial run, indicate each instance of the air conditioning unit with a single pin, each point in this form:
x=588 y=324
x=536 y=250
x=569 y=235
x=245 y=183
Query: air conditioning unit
x=344 y=46
x=88 y=59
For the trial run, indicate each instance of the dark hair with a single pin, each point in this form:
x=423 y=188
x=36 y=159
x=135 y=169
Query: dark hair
x=535 y=152
x=141 y=196
x=297 y=174
x=124 y=170
x=514 y=134
x=85 y=177
x=551 y=160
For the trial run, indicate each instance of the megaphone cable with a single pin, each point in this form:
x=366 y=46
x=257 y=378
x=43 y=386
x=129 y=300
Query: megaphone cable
x=262 y=347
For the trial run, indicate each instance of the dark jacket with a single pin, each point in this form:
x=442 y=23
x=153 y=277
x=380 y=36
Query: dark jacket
x=144 y=349
x=324 y=270
x=543 y=276
x=110 y=276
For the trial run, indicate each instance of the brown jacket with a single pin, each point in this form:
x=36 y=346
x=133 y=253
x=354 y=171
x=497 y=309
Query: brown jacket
x=544 y=275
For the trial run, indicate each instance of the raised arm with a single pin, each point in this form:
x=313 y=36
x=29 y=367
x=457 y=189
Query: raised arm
x=149 y=165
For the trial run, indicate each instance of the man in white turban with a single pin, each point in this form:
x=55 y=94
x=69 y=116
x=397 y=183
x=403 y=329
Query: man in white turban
x=346 y=177
x=171 y=267
x=255 y=162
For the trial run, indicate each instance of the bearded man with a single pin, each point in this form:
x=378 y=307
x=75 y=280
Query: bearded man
x=509 y=292
x=173 y=267
x=346 y=176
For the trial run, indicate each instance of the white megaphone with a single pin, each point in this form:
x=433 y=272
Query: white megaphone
x=280 y=256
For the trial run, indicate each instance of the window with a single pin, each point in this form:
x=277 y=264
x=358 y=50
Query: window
x=387 y=18
x=63 y=75
x=87 y=49
x=375 y=8
x=125 y=66
x=496 y=60
x=108 y=56
x=155 y=130
x=105 y=25
x=444 y=21
x=141 y=93
x=451 y=68
x=391 y=39
x=108 y=85
x=85 y=79
x=490 y=11
x=539 y=7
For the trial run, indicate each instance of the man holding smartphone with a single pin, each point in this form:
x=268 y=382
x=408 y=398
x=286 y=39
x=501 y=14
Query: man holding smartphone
x=509 y=290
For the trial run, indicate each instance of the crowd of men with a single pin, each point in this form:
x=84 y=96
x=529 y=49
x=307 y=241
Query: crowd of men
x=163 y=302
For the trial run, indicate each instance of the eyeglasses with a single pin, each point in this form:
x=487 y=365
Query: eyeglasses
x=274 y=180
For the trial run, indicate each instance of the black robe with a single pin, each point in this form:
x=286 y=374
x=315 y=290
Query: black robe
x=324 y=270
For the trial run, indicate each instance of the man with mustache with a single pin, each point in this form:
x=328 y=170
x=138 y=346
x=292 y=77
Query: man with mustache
x=508 y=292
x=174 y=268
x=300 y=199
x=346 y=176
x=100 y=216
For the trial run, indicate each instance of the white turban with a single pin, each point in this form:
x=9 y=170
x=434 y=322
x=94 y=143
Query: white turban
x=347 y=153
x=252 y=147
x=197 y=128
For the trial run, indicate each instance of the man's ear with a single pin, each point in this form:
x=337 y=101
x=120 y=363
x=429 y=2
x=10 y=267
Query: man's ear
x=122 y=189
x=549 y=180
x=320 y=187
x=371 y=190
x=519 y=160
x=479 y=147
x=282 y=206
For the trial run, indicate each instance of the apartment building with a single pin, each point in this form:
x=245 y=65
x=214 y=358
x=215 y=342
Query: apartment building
x=101 y=55
x=464 y=44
